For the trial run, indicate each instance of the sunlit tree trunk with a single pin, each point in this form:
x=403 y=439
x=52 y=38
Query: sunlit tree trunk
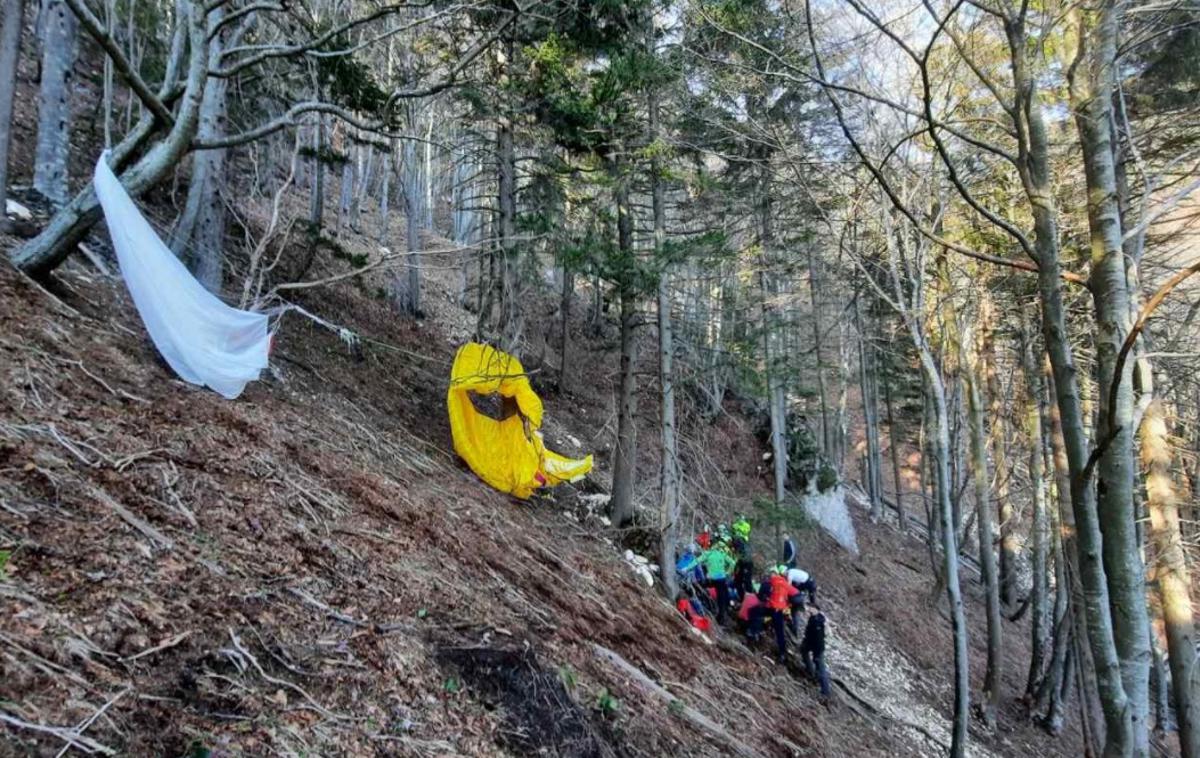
x=1172 y=576
x=1092 y=83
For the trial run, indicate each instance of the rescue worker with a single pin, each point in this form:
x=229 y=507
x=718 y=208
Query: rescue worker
x=789 y=552
x=743 y=578
x=812 y=649
x=741 y=528
x=802 y=581
x=750 y=614
x=779 y=600
x=718 y=564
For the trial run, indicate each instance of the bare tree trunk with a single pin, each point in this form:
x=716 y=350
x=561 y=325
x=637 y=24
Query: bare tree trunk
x=366 y=155
x=1009 y=544
x=508 y=324
x=1041 y=535
x=59 y=33
x=1079 y=608
x=669 y=499
x=894 y=447
x=567 y=295
x=870 y=404
x=408 y=280
x=316 y=205
x=826 y=436
x=199 y=234
x=669 y=508
x=776 y=402
x=987 y=558
x=12 y=18
x=384 y=192
x=1092 y=80
x=1172 y=575
x=941 y=447
x=625 y=468
x=346 y=198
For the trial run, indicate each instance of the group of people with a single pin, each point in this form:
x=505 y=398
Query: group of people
x=717 y=578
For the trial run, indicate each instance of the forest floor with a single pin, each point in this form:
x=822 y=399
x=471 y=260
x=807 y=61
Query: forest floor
x=309 y=569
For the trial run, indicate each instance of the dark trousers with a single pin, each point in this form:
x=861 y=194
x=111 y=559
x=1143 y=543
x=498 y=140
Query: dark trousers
x=743 y=577
x=814 y=663
x=722 y=586
x=755 y=629
x=798 y=616
x=780 y=625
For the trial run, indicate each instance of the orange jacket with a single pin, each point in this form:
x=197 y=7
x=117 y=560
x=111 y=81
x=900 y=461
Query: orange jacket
x=781 y=593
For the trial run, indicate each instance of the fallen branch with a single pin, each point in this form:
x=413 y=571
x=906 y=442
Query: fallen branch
x=172 y=642
x=66 y=734
x=237 y=644
x=153 y=534
x=83 y=725
x=648 y=685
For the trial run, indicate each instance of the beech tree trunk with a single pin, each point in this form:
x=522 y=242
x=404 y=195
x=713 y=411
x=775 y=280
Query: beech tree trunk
x=508 y=324
x=12 y=25
x=827 y=443
x=1092 y=83
x=346 y=197
x=1039 y=527
x=199 y=235
x=866 y=369
x=987 y=559
x=941 y=457
x=59 y=33
x=894 y=448
x=1009 y=543
x=408 y=279
x=316 y=204
x=1172 y=576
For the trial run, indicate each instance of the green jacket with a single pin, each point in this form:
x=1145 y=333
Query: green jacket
x=717 y=563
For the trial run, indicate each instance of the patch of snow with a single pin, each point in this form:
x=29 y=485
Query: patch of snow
x=17 y=211
x=829 y=510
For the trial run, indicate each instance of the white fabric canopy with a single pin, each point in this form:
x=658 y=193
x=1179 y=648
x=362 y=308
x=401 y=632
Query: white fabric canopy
x=204 y=340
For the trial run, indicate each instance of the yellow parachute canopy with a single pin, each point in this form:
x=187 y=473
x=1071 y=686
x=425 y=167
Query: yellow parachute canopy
x=507 y=453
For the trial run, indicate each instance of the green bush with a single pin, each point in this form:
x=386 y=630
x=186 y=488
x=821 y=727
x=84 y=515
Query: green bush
x=827 y=477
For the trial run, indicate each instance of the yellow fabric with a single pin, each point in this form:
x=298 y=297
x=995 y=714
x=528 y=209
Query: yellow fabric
x=503 y=453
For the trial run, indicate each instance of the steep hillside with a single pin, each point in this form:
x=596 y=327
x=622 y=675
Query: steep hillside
x=309 y=570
